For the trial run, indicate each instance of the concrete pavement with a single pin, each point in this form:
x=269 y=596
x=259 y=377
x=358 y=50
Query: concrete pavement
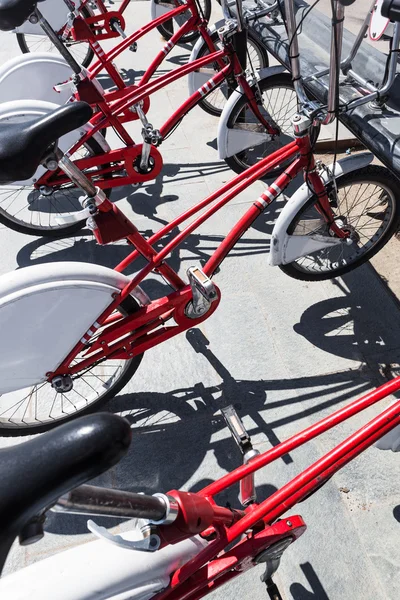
x=285 y=353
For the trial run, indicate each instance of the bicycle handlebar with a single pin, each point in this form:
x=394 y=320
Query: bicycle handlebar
x=92 y=500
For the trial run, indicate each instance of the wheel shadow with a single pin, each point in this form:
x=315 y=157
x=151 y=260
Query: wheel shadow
x=174 y=431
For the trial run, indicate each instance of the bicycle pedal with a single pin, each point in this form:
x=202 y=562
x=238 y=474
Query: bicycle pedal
x=203 y=293
x=237 y=429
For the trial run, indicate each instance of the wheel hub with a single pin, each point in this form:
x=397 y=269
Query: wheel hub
x=62 y=383
x=45 y=190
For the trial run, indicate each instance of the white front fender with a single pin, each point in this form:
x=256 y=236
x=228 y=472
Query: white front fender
x=286 y=248
x=232 y=141
x=199 y=78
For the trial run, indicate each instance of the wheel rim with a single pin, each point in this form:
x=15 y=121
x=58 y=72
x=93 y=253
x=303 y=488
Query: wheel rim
x=41 y=405
x=217 y=98
x=279 y=104
x=367 y=209
x=41 y=43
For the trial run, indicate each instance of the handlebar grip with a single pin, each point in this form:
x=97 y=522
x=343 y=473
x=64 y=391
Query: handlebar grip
x=391 y=9
x=92 y=500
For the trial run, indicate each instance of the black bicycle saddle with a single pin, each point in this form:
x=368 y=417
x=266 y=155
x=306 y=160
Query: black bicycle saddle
x=36 y=473
x=15 y=12
x=24 y=145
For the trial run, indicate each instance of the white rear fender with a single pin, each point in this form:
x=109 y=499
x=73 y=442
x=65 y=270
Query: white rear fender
x=286 y=248
x=231 y=141
x=100 y=570
x=44 y=311
x=199 y=78
x=34 y=76
x=159 y=9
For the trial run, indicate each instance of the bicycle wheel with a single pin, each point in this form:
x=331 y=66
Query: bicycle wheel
x=277 y=102
x=40 y=407
x=81 y=51
x=168 y=28
x=34 y=212
x=367 y=205
x=214 y=102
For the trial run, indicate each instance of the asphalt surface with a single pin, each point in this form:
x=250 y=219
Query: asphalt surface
x=285 y=353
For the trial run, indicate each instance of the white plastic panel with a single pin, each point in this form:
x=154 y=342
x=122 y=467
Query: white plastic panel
x=44 y=312
x=286 y=248
x=158 y=9
x=33 y=77
x=99 y=571
x=197 y=79
x=231 y=141
x=378 y=23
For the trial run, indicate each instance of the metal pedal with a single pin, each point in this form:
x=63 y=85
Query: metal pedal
x=203 y=292
x=242 y=438
x=237 y=429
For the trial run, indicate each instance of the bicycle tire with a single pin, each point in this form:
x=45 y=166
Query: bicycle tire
x=166 y=29
x=370 y=175
x=46 y=231
x=87 y=58
x=129 y=306
x=277 y=91
x=214 y=102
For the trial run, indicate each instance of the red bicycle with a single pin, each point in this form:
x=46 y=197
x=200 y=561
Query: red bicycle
x=184 y=545
x=105 y=22
x=38 y=204
x=341 y=216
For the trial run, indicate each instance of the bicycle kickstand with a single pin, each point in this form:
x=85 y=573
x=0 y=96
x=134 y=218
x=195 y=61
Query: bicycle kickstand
x=272 y=590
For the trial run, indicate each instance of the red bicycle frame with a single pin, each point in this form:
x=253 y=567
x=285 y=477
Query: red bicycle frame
x=257 y=526
x=125 y=337
x=83 y=30
x=116 y=109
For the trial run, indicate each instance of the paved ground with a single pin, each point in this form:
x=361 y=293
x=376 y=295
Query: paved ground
x=285 y=353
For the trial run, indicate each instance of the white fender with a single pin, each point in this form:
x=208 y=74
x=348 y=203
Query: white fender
x=54 y=11
x=26 y=110
x=379 y=24
x=44 y=311
x=199 y=78
x=286 y=248
x=158 y=9
x=100 y=570
x=33 y=76
x=231 y=141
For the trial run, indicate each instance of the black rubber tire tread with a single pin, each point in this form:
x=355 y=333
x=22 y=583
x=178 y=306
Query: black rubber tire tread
x=56 y=232
x=167 y=28
x=130 y=306
x=280 y=80
x=371 y=173
x=25 y=49
x=216 y=112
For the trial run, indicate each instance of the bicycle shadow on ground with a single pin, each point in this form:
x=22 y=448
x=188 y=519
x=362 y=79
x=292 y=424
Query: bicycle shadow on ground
x=188 y=419
x=317 y=592
x=347 y=325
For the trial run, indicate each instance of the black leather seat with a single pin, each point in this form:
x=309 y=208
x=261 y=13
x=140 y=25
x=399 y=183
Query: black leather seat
x=35 y=474
x=24 y=145
x=15 y=12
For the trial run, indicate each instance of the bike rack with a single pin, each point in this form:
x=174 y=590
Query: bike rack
x=377 y=127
